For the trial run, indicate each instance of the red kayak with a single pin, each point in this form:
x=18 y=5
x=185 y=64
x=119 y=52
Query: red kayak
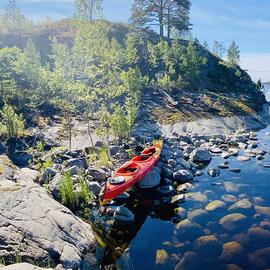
x=131 y=172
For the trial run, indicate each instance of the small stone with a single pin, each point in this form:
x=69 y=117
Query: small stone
x=213 y=172
x=243 y=158
x=235 y=170
x=223 y=166
x=229 y=198
x=162 y=256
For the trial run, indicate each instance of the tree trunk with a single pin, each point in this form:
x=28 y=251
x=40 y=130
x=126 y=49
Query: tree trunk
x=89 y=133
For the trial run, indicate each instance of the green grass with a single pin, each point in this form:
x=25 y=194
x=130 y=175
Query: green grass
x=67 y=192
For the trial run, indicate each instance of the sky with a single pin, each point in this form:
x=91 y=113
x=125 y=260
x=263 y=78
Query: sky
x=245 y=21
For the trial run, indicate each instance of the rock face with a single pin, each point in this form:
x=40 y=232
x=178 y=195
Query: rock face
x=201 y=155
x=22 y=266
x=39 y=228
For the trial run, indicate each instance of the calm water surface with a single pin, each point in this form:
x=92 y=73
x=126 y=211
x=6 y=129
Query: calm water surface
x=156 y=242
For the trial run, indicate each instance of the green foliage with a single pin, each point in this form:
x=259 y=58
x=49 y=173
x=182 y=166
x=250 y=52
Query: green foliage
x=86 y=9
x=104 y=159
x=233 y=56
x=170 y=14
x=218 y=49
x=47 y=164
x=40 y=146
x=85 y=195
x=12 y=18
x=12 y=123
x=68 y=194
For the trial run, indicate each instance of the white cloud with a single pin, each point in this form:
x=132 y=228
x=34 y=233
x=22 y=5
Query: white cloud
x=257 y=65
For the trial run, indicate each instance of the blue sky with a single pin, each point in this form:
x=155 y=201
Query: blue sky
x=246 y=21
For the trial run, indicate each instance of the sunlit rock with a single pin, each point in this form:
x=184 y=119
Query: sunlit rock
x=232 y=252
x=208 y=246
x=214 y=205
x=233 y=221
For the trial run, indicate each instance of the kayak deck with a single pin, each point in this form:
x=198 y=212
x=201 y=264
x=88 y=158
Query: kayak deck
x=131 y=172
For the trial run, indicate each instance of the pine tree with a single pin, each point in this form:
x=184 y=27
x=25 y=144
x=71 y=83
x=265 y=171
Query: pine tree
x=233 y=56
x=218 y=49
x=86 y=9
x=164 y=14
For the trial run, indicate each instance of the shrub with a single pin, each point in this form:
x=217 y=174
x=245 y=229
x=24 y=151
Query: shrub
x=85 y=194
x=12 y=123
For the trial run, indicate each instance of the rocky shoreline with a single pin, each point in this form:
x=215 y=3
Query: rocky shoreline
x=35 y=227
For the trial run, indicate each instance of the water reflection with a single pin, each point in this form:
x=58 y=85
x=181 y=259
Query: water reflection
x=225 y=223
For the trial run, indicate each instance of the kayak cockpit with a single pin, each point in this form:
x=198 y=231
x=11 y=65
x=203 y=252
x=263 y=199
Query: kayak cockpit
x=127 y=169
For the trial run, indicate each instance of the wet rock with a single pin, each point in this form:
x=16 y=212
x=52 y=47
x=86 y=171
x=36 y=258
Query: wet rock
x=214 y=205
x=199 y=173
x=185 y=138
x=94 y=187
x=232 y=222
x=231 y=267
x=261 y=258
x=190 y=261
x=123 y=216
x=166 y=191
x=232 y=252
x=243 y=206
x=183 y=163
x=223 y=166
x=231 y=187
x=201 y=155
x=45 y=226
x=198 y=215
x=166 y=154
x=182 y=176
x=162 y=256
x=208 y=246
x=266 y=165
x=260 y=238
x=172 y=163
x=243 y=239
x=233 y=151
x=213 y=172
x=226 y=155
x=243 y=158
x=260 y=157
x=98 y=174
x=229 y=198
x=166 y=172
x=184 y=188
x=178 y=199
x=188 y=230
x=215 y=150
x=150 y=180
x=180 y=211
x=197 y=197
x=264 y=211
x=235 y=170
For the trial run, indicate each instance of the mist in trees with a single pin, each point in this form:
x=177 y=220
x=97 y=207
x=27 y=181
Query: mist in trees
x=167 y=15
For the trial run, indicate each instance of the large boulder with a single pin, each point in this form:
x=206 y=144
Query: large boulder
x=150 y=180
x=38 y=228
x=200 y=155
x=23 y=266
x=182 y=176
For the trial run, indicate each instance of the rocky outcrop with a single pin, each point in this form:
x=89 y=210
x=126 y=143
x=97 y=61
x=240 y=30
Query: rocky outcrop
x=37 y=228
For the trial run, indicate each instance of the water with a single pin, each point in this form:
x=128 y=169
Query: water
x=156 y=242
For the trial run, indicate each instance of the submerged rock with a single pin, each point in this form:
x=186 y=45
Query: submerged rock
x=243 y=158
x=190 y=261
x=243 y=206
x=232 y=252
x=214 y=205
x=213 y=172
x=123 y=216
x=208 y=246
x=231 y=187
x=198 y=215
x=229 y=198
x=188 y=230
x=261 y=258
x=233 y=221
